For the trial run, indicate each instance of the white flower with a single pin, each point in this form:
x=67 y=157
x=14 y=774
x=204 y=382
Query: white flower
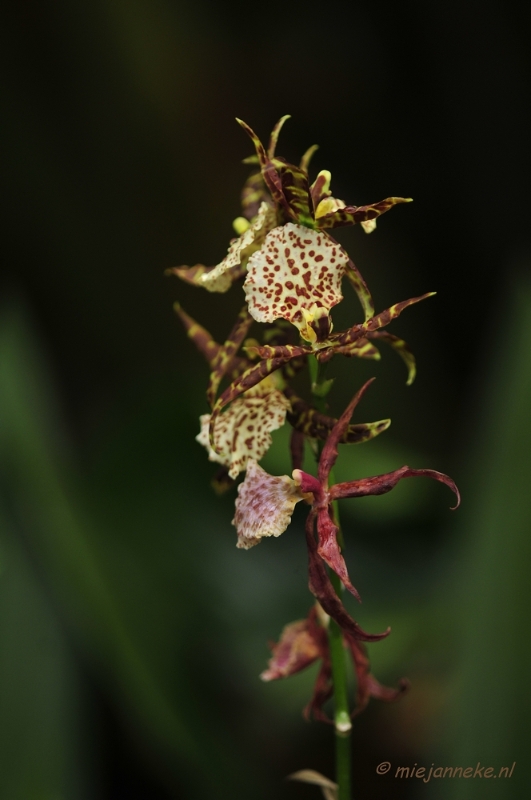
x=296 y=275
x=221 y=277
x=243 y=431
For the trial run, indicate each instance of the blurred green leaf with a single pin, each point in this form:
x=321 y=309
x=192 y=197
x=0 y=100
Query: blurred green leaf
x=490 y=719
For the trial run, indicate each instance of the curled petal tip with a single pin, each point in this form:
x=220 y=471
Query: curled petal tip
x=458 y=495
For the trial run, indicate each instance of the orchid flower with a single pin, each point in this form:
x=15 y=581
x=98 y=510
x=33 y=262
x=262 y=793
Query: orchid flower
x=243 y=431
x=256 y=506
x=303 y=212
x=259 y=217
x=356 y=340
x=304 y=642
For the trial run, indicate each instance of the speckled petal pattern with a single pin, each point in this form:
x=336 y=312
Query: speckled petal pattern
x=244 y=430
x=297 y=268
x=221 y=277
x=264 y=505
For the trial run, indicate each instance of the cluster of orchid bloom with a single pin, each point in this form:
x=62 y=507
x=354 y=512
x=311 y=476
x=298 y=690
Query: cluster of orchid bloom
x=292 y=272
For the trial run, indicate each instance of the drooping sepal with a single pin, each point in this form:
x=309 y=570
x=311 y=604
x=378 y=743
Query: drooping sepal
x=194 y=275
x=329 y=550
x=402 y=348
x=322 y=589
x=367 y=685
x=360 y=287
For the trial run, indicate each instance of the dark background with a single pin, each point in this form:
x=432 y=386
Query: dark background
x=131 y=630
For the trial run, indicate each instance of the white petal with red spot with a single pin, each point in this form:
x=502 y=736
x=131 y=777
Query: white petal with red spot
x=243 y=430
x=220 y=278
x=296 y=268
x=264 y=505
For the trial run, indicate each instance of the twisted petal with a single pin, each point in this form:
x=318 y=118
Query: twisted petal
x=264 y=505
x=368 y=686
x=301 y=643
x=381 y=484
x=320 y=188
x=307 y=157
x=328 y=549
x=360 y=287
x=322 y=691
x=297 y=270
x=243 y=431
x=232 y=267
x=273 y=139
x=322 y=589
x=402 y=348
x=350 y=215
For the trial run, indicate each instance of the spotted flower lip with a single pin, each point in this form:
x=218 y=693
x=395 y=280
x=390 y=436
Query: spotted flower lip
x=295 y=276
x=304 y=642
x=264 y=505
x=243 y=432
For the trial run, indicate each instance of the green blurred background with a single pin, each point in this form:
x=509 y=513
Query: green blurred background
x=132 y=632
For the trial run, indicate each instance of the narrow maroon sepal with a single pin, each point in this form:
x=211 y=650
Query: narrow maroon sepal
x=381 y=484
x=328 y=549
x=322 y=589
x=329 y=454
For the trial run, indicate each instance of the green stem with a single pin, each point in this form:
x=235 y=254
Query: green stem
x=342 y=721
